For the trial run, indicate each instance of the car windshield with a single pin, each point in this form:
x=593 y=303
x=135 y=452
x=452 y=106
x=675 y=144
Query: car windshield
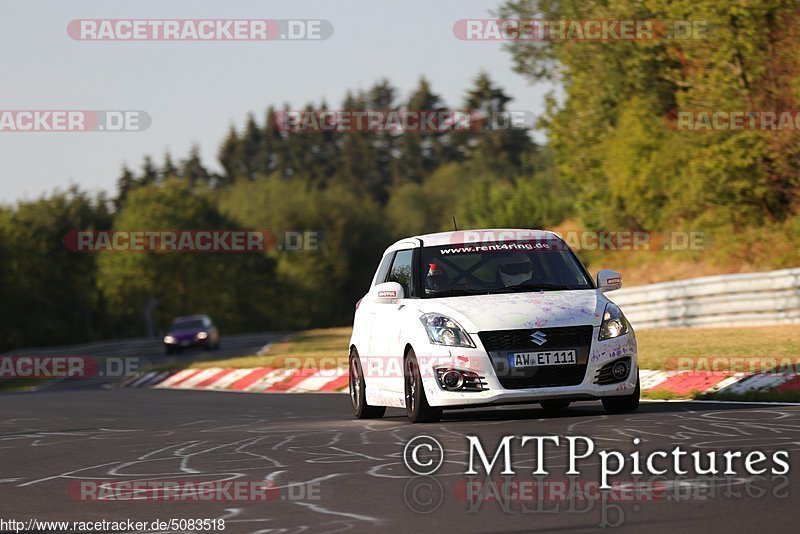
x=190 y=324
x=500 y=267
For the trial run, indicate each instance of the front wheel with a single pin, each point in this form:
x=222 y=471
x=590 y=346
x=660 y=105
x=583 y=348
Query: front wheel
x=623 y=404
x=358 y=397
x=417 y=407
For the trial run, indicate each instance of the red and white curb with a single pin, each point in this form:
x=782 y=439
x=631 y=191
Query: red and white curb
x=269 y=380
x=703 y=382
x=256 y=380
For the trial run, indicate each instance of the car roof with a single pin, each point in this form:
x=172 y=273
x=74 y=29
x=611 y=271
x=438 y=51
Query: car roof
x=474 y=235
x=189 y=318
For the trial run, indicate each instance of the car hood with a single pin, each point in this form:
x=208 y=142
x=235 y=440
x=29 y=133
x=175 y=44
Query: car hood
x=510 y=311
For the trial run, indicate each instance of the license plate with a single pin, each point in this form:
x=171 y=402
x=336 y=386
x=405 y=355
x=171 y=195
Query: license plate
x=535 y=359
x=185 y=343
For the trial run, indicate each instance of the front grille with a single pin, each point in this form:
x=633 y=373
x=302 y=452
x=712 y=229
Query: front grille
x=499 y=343
x=565 y=337
x=542 y=377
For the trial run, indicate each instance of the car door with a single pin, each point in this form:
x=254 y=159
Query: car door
x=389 y=319
x=366 y=327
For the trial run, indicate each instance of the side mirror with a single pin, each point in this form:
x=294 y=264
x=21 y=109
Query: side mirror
x=608 y=280
x=387 y=293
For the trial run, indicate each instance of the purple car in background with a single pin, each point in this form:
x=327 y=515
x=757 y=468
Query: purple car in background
x=191 y=331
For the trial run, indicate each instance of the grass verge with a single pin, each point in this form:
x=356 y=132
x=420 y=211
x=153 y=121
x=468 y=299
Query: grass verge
x=322 y=348
x=702 y=349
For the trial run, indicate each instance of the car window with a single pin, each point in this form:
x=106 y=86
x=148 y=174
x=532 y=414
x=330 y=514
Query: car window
x=383 y=269
x=402 y=269
x=187 y=324
x=500 y=267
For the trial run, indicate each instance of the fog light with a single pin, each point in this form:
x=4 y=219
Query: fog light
x=620 y=370
x=452 y=380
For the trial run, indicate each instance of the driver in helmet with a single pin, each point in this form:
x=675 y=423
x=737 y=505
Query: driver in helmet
x=436 y=279
x=515 y=269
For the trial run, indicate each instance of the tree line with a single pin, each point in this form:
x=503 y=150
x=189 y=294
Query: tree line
x=359 y=190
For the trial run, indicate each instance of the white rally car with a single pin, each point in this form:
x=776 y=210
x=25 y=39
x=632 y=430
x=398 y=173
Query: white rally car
x=488 y=317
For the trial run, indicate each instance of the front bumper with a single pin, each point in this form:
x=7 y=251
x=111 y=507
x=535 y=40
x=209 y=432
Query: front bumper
x=477 y=360
x=187 y=343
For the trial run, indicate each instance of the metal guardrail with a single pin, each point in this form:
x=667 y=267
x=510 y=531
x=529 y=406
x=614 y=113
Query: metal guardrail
x=119 y=347
x=116 y=347
x=749 y=299
x=142 y=348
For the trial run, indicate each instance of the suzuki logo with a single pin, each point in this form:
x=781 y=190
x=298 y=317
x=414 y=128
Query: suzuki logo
x=538 y=337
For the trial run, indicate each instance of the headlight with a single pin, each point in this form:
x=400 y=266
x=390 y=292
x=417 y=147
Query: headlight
x=169 y=340
x=443 y=330
x=202 y=335
x=614 y=323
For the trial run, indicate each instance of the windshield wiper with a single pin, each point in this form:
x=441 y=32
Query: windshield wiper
x=456 y=292
x=533 y=286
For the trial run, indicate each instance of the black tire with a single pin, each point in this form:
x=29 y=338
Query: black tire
x=623 y=404
x=555 y=406
x=171 y=350
x=358 y=398
x=417 y=407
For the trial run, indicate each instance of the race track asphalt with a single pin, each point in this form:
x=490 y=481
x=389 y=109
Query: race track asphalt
x=331 y=473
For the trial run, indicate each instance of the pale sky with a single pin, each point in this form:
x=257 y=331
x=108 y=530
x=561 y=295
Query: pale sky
x=193 y=91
